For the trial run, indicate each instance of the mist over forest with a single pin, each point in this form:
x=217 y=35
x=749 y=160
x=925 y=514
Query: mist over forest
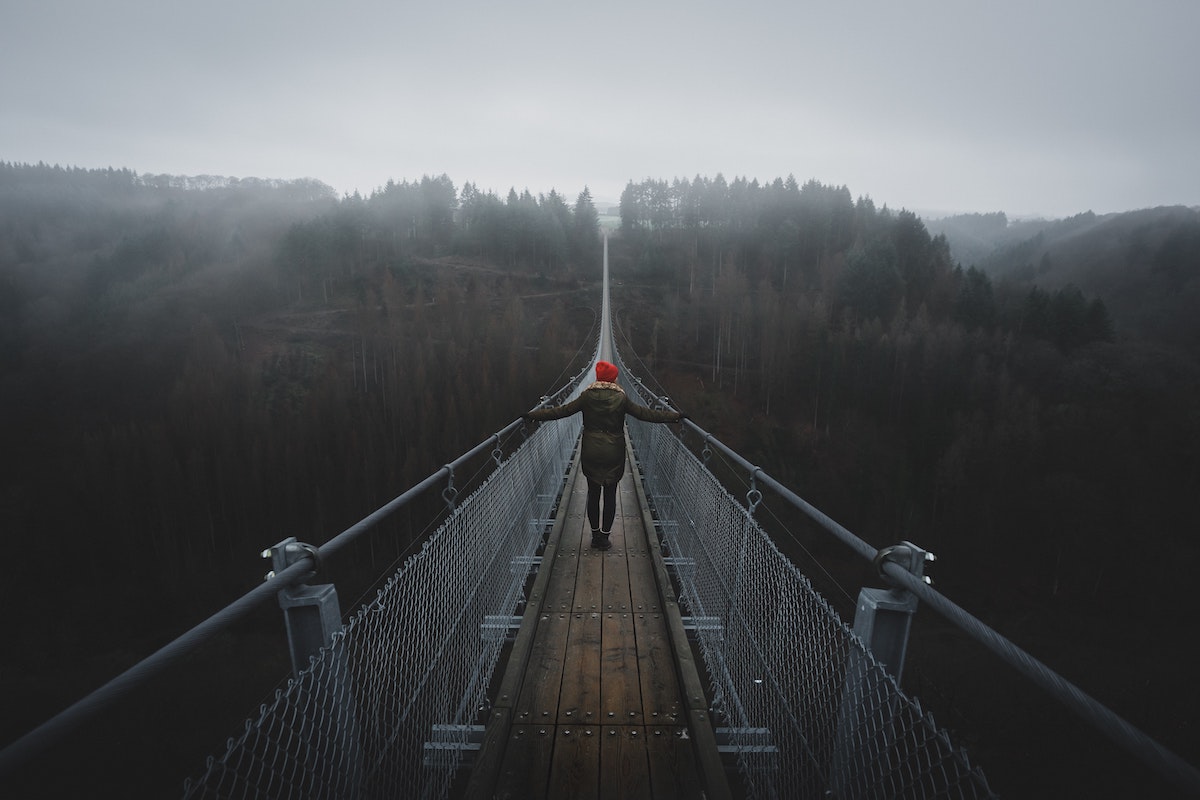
x=192 y=369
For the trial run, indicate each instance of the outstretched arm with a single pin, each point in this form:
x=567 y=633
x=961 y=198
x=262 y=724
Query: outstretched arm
x=650 y=414
x=557 y=412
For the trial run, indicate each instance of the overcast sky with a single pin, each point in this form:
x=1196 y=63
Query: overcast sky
x=1048 y=107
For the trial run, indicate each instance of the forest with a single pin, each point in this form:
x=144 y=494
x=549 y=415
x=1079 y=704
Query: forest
x=1029 y=416
x=922 y=399
x=192 y=369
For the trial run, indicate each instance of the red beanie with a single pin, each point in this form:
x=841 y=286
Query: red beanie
x=606 y=371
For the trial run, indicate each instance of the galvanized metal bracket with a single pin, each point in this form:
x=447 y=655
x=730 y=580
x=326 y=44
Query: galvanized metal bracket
x=909 y=556
x=754 y=496
x=883 y=617
x=311 y=613
x=450 y=494
x=288 y=552
x=453 y=744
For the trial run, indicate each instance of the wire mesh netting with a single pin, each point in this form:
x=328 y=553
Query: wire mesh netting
x=806 y=708
x=386 y=710
x=389 y=707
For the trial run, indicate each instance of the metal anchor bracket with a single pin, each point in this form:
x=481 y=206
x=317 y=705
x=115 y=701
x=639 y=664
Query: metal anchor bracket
x=754 y=496
x=450 y=494
x=884 y=616
x=909 y=556
x=311 y=613
x=287 y=553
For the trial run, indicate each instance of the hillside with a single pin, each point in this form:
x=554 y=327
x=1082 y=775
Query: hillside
x=193 y=370
x=1042 y=450
x=1144 y=265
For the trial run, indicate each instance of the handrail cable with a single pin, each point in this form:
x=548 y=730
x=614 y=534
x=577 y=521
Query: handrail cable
x=1117 y=729
x=1120 y=731
x=54 y=729
x=593 y=337
x=661 y=396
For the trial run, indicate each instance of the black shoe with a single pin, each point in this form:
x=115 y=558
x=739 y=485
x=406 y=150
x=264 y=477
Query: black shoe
x=600 y=541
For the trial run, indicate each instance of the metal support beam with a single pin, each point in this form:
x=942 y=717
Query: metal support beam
x=745 y=740
x=882 y=620
x=523 y=565
x=683 y=567
x=751 y=750
x=698 y=625
x=500 y=626
x=453 y=744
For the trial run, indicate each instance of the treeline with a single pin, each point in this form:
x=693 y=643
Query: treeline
x=542 y=234
x=1144 y=264
x=431 y=218
x=1042 y=447
x=908 y=397
x=194 y=369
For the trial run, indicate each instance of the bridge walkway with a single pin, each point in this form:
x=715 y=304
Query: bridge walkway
x=600 y=697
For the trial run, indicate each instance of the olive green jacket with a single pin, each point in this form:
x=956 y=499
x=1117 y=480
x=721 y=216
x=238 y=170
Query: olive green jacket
x=604 y=406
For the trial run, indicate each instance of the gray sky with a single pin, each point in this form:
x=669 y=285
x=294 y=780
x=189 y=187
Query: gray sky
x=1028 y=106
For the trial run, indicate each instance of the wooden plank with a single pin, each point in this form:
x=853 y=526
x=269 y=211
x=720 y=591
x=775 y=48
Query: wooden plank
x=577 y=517
x=525 y=772
x=487 y=768
x=673 y=769
x=644 y=593
x=628 y=513
x=661 y=700
x=580 y=698
x=620 y=688
x=560 y=593
x=620 y=684
x=624 y=765
x=656 y=658
x=575 y=768
x=538 y=699
x=616 y=594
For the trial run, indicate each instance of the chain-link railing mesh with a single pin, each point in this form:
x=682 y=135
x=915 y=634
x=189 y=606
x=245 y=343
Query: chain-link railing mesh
x=809 y=711
x=386 y=710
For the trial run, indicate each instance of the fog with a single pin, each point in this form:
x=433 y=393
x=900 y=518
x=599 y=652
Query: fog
x=933 y=105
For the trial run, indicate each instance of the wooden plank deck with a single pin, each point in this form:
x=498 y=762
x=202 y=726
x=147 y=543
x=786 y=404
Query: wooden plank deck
x=600 y=698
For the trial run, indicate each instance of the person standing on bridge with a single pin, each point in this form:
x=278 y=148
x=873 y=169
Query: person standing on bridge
x=602 y=454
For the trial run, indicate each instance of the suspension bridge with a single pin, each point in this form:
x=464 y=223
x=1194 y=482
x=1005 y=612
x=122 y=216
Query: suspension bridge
x=508 y=659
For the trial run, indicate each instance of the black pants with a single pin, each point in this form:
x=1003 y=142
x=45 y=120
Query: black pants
x=593 y=505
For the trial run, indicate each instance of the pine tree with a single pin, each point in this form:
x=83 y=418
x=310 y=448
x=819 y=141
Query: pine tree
x=586 y=234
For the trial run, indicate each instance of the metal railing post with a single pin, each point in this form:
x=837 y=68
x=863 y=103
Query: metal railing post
x=313 y=617
x=883 y=617
x=882 y=621
x=311 y=613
